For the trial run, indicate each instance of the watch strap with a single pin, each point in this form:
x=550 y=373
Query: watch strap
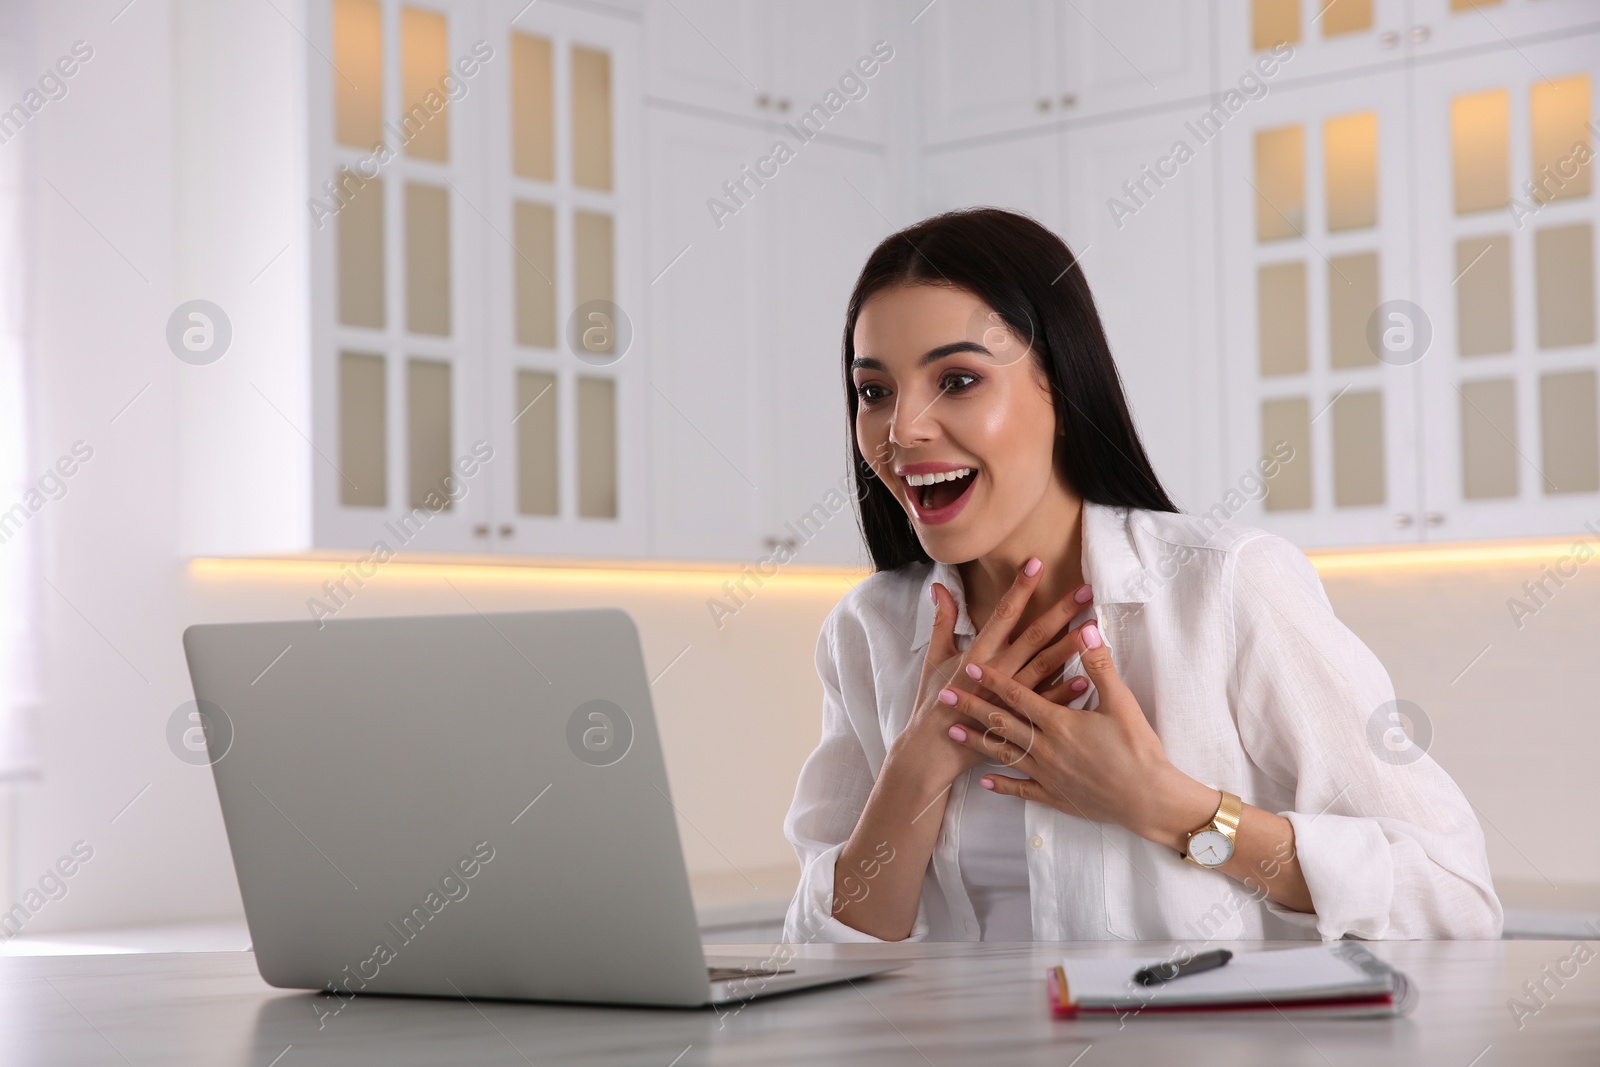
x=1228 y=814
x=1225 y=821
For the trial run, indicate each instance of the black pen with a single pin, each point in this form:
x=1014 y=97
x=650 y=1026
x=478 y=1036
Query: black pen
x=1166 y=972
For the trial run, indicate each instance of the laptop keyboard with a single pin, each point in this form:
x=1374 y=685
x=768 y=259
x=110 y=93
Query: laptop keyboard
x=725 y=974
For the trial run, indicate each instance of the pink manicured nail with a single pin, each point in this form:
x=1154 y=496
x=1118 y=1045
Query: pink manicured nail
x=1032 y=567
x=974 y=671
x=948 y=696
x=987 y=783
x=1091 y=635
x=958 y=733
x=1084 y=595
x=1078 y=685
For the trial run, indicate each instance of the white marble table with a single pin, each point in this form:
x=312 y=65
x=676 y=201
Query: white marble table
x=953 y=1004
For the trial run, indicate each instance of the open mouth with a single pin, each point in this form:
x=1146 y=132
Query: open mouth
x=939 y=497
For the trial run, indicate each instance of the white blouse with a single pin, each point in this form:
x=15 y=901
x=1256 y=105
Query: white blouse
x=1226 y=636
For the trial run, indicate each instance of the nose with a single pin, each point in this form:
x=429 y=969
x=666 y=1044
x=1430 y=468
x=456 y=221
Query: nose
x=912 y=423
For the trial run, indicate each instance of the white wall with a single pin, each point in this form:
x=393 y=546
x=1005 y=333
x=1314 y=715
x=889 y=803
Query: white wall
x=1517 y=728
x=103 y=213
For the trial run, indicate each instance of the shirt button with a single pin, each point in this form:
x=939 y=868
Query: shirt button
x=1036 y=841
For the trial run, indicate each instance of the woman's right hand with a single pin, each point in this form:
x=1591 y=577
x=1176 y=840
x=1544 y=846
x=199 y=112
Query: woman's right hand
x=1036 y=652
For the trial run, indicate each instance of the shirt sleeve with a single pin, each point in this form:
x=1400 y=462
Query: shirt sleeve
x=1388 y=844
x=829 y=798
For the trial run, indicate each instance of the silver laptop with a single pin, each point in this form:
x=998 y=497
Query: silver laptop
x=462 y=806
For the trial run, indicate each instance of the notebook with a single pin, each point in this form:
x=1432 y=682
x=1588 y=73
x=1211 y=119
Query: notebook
x=1334 y=980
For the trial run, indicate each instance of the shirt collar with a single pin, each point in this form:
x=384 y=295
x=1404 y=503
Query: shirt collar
x=1111 y=565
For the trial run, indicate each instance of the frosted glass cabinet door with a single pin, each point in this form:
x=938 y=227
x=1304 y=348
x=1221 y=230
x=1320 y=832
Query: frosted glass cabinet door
x=1450 y=24
x=1321 y=367
x=1509 y=284
x=567 y=387
x=1327 y=38
x=395 y=243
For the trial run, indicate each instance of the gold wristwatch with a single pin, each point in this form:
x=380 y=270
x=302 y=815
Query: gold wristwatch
x=1212 y=844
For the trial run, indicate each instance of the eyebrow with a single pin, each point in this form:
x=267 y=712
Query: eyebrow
x=933 y=355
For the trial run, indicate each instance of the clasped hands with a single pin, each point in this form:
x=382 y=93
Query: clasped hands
x=998 y=701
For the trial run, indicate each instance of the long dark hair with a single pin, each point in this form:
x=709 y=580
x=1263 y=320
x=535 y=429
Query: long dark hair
x=1030 y=278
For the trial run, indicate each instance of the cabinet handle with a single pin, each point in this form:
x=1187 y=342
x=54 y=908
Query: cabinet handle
x=763 y=100
x=783 y=105
x=776 y=543
x=1069 y=100
x=1389 y=40
x=481 y=530
x=1435 y=519
x=506 y=529
x=1402 y=520
x=1044 y=103
x=1419 y=34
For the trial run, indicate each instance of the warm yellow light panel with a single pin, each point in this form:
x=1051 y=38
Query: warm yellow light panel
x=1274 y=21
x=1480 y=141
x=358 y=73
x=533 y=115
x=424 y=104
x=591 y=118
x=1350 y=168
x=1559 y=117
x=1280 y=183
x=1339 y=17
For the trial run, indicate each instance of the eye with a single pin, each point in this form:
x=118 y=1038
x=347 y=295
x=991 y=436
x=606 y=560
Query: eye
x=871 y=393
x=957 y=381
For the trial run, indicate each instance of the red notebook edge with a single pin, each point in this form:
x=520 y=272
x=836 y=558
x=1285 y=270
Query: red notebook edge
x=1061 y=1005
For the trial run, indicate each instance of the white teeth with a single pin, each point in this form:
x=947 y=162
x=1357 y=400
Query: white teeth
x=930 y=479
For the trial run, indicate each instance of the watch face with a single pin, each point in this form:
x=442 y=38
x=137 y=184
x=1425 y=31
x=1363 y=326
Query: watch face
x=1210 y=848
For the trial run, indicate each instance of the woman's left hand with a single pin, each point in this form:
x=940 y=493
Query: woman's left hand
x=1106 y=764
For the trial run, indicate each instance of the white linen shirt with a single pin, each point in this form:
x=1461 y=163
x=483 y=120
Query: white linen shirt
x=1225 y=635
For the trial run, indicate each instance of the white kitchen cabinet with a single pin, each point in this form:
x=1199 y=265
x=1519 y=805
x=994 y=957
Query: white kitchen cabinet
x=1019 y=174
x=571 y=434
x=826 y=218
x=1509 y=281
x=842 y=56
x=748 y=409
x=988 y=67
x=1327 y=38
x=775 y=63
x=708 y=326
x=1162 y=257
x=1316 y=234
x=992 y=68
x=1444 y=25
x=707 y=53
x=1130 y=55
x=449 y=266
x=396 y=371
x=1480 y=416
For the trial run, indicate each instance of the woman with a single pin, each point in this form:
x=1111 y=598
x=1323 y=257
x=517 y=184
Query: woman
x=1060 y=710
